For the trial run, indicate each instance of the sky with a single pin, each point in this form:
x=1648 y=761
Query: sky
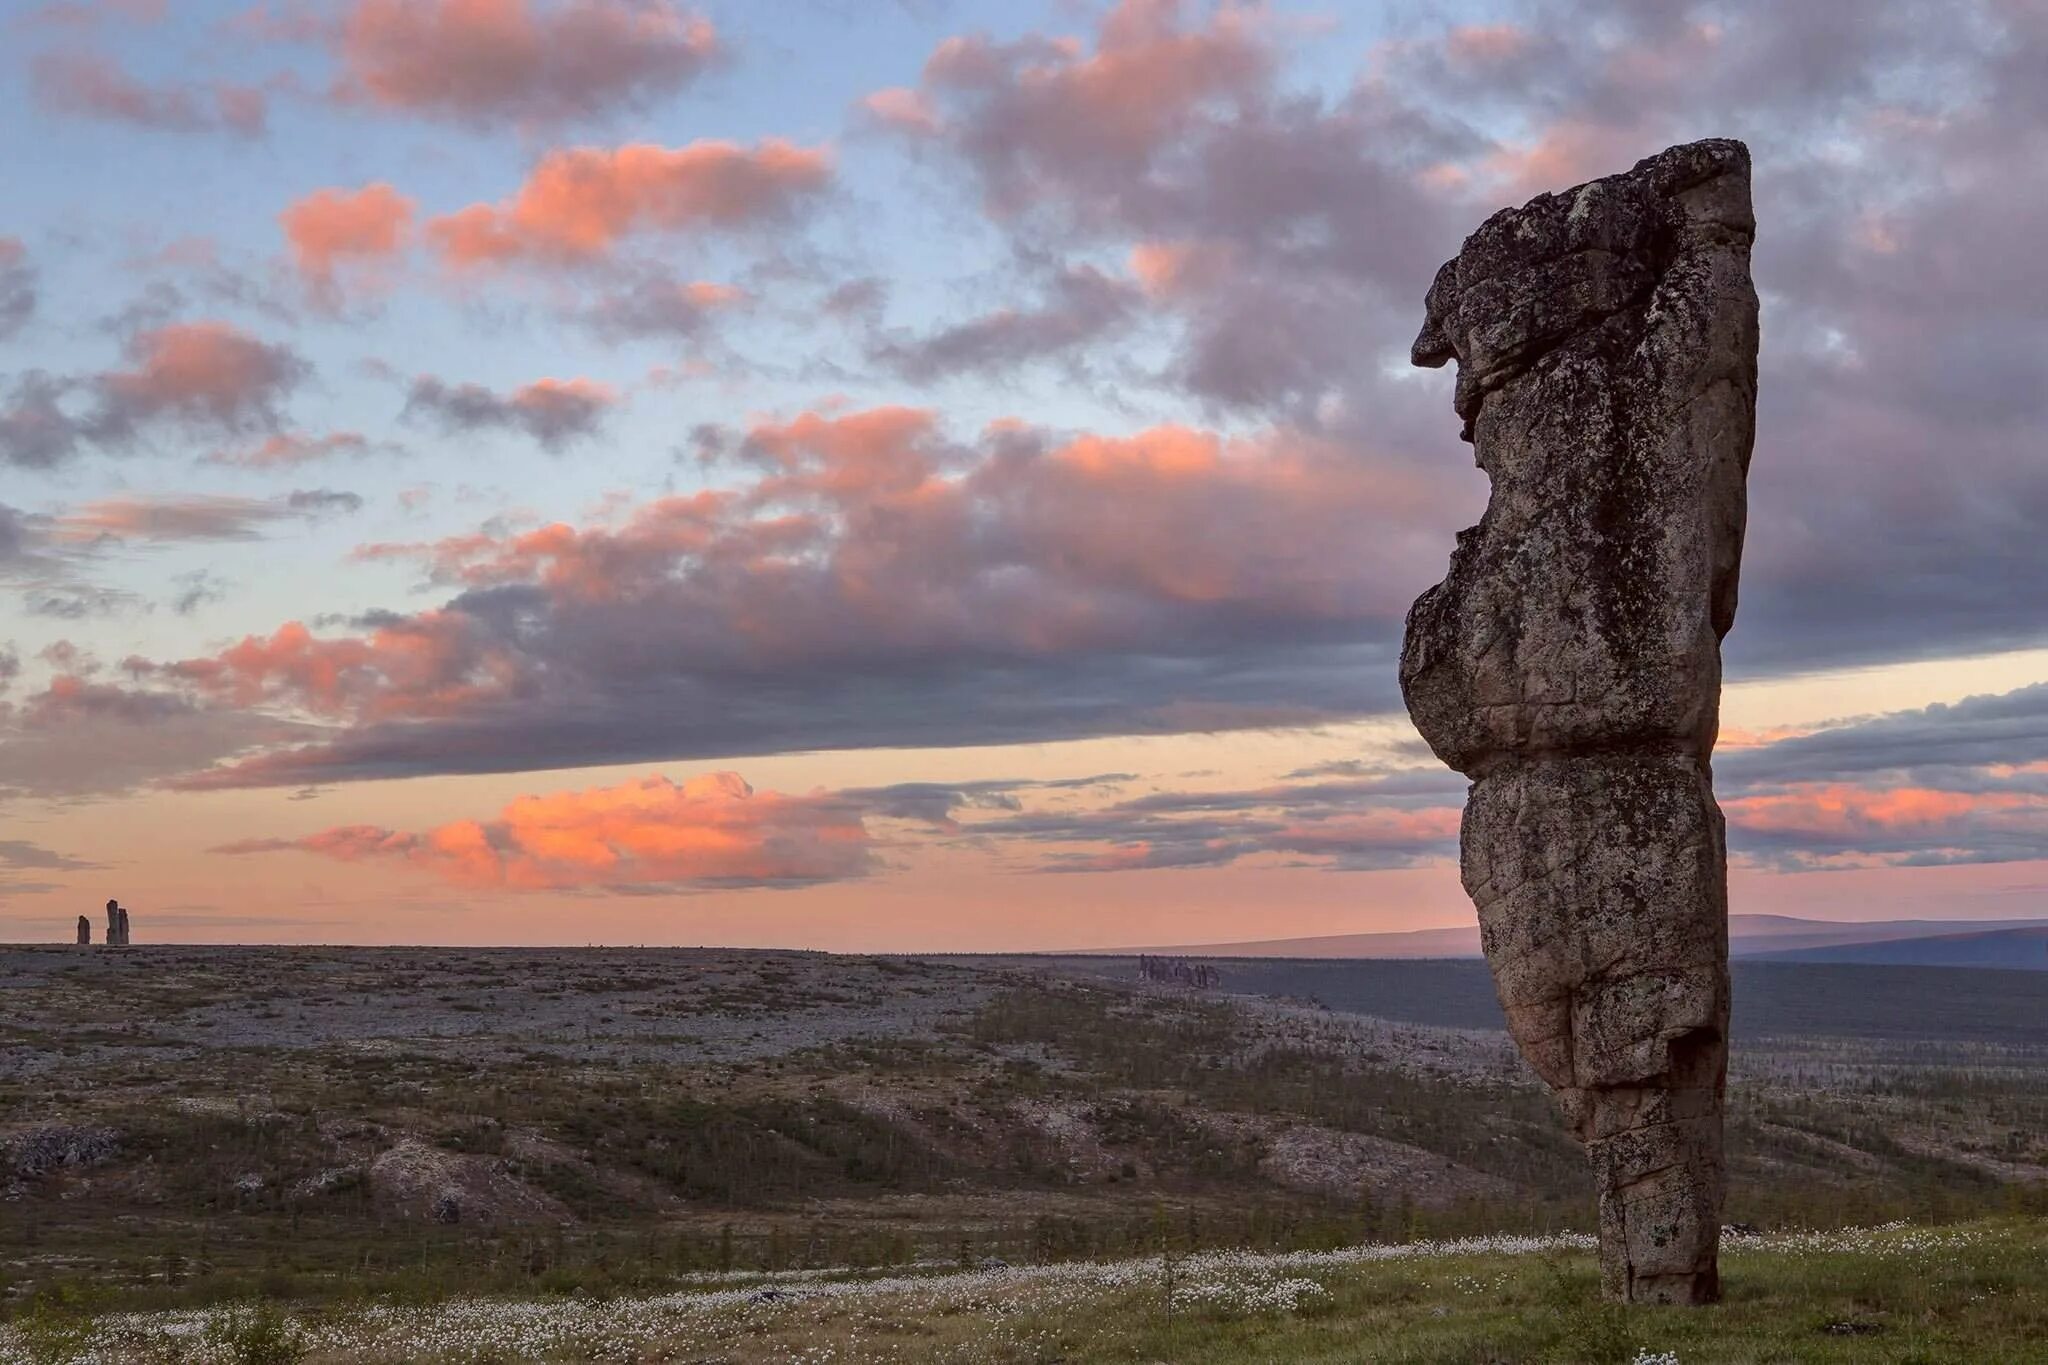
x=934 y=475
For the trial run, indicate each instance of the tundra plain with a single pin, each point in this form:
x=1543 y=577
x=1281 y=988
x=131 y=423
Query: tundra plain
x=183 y=1128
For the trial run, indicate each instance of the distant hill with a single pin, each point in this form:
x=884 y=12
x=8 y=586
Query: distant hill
x=1785 y=938
x=2025 y=948
x=1773 y=1000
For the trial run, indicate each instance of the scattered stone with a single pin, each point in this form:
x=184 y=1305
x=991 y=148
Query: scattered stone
x=1570 y=664
x=328 y=1181
x=38 y=1152
x=1851 y=1327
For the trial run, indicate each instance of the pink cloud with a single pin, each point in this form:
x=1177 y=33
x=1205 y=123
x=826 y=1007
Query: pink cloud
x=285 y=449
x=1176 y=270
x=434 y=663
x=330 y=227
x=579 y=202
x=711 y=830
x=1834 y=809
x=1563 y=154
x=869 y=521
x=857 y=546
x=902 y=108
x=211 y=371
x=1270 y=223
x=1048 y=110
x=476 y=61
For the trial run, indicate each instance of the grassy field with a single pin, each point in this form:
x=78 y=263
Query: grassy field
x=186 y=1128
x=1967 y=1293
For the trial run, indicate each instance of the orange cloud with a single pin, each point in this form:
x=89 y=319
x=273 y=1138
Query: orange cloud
x=713 y=830
x=589 y=563
x=873 y=507
x=580 y=201
x=548 y=400
x=1172 y=269
x=1194 y=518
x=856 y=453
x=1734 y=737
x=478 y=60
x=333 y=225
x=431 y=664
x=1840 y=811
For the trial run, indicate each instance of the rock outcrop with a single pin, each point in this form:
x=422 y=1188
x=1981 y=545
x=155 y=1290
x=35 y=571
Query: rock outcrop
x=117 y=925
x=84 y=931
x=1570 y=664
x=415 y=1180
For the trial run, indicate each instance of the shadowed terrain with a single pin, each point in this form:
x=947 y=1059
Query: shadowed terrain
x=1775 y=1001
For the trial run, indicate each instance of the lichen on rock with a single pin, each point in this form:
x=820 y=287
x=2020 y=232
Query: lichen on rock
x=1570 y=663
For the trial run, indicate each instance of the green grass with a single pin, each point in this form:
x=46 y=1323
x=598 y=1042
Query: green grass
x=1974 y=1293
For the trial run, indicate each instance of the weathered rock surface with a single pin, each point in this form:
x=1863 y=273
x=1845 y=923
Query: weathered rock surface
x=424 y=1183
x=1570 y=663
x=38 y=1152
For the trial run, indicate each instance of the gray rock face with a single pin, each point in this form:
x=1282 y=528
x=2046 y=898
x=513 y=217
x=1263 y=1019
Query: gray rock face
x=38 y=1152
x=1570 y=664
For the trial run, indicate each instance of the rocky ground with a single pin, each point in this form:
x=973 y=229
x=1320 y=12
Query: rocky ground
x=179 y=1124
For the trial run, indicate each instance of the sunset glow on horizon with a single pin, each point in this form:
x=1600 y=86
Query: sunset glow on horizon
x=939 y=478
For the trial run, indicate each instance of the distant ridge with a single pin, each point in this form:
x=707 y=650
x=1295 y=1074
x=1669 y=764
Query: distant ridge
x=2025 y=948
x=1783 y=938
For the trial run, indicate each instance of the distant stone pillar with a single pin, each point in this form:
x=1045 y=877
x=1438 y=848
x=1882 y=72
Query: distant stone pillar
x=1570 y=664
x=124 y=927
x=84 y=931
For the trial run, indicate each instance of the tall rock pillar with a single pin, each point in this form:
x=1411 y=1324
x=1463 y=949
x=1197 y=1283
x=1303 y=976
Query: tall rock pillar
x=1570 y=664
